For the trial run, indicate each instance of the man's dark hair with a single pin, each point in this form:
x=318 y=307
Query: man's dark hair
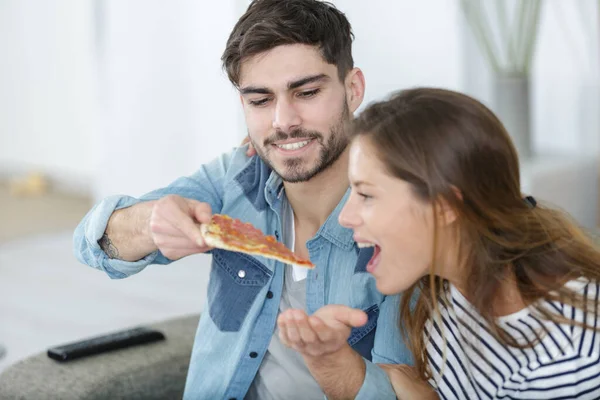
x=271 y=23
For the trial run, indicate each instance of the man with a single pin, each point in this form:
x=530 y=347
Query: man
x=292 y=64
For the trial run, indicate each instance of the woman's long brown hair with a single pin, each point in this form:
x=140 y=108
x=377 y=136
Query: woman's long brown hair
x=450 y=146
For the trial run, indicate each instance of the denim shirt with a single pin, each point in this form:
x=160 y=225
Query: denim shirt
x=244 y=291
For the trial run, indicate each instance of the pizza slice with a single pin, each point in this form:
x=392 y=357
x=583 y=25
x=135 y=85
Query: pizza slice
x=228 y=233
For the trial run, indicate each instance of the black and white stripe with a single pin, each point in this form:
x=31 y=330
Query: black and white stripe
x=564 y=363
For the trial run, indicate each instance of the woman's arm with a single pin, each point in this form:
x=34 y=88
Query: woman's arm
x=407 y=384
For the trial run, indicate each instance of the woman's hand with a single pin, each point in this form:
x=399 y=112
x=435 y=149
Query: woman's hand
x=407 y=384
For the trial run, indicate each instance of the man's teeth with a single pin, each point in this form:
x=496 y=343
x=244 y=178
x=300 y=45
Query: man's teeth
x=293 y=146
x=364 y=244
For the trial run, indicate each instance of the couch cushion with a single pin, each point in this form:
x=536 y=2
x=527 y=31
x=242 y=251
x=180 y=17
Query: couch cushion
x=150 y=371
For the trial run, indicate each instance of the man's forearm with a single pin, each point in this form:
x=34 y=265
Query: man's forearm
x=340 y=375
x=127 y=236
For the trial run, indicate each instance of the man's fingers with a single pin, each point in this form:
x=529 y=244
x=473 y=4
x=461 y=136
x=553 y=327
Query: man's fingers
x=343 y=314
x=177 y=245
x=202 y=214
x=188 y=227
x=251 y=150
x=289 y=327
x=293 y=333
x=288 y=331
x=356 y=318
x=283 y=337
x=323 y=332
x=307 y=334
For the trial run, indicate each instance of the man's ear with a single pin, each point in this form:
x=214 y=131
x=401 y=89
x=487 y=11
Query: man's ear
x=355 y=88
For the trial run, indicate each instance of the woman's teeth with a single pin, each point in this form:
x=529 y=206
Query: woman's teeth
x=365 y=244
x=293 y=146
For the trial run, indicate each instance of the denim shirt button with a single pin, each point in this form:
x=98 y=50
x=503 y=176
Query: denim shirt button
x=242 y=273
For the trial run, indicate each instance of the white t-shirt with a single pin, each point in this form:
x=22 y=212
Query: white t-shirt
x=283 y=373
x=299 y=273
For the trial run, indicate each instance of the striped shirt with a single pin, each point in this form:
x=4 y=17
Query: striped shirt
x=564 y=362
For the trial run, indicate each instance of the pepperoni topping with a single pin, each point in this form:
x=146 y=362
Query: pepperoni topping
x=245 y=237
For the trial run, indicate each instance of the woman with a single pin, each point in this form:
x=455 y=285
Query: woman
x=505 y=291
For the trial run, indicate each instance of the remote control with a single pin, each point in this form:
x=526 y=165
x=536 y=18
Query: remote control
x=102 y=344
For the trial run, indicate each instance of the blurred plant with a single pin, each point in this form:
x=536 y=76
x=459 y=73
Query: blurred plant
x=507 y=40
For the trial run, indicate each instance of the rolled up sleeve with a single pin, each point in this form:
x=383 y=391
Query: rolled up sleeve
x=376 y=385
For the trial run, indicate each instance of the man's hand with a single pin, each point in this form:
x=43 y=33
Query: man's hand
x=175 y=226
x=323 y=333
x=407 y=384
x=251 y=150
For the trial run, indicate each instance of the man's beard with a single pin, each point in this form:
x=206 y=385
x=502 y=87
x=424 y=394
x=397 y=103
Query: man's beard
x=294 y=169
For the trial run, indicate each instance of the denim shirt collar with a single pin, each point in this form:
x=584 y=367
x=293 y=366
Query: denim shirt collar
x=331 y=230
x=273 y=189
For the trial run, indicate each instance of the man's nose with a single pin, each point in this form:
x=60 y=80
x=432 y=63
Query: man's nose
x=285 y=117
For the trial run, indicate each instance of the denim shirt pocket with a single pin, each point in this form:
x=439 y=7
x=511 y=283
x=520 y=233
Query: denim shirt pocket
x=235 y=281
x=362 y=339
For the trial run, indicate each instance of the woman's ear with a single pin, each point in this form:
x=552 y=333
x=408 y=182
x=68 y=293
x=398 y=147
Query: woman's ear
x=446 y=214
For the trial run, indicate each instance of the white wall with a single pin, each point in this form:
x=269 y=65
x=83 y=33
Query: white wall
x=113 y=96
x=166 y=105
x=47 y=88
x=401 y=44
x=566 y=73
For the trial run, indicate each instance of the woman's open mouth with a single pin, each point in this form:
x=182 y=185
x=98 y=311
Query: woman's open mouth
x=374 y=261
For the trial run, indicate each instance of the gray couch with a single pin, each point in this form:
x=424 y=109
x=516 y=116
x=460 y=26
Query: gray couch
x=151 y=371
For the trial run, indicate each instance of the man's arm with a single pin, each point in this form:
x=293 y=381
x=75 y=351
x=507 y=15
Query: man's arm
x=344 y=375
x=340 y=374
x=127 y=236
x=170 y=225
x=116 y=235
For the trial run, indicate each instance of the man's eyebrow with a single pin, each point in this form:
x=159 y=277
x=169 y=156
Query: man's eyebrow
x=255 y=90
x=292 y=85
x=306 y=80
